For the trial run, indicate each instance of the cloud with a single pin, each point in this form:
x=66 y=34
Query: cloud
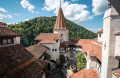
x=26 y=19
x=26 y=4
x=2 y=15
x=2 y=10
x=17 y=14
x=99 y=6
x=73 y=12
x=74 y=0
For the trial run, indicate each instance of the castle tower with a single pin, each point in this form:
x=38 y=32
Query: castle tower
x=61 y=26
x=110 y=26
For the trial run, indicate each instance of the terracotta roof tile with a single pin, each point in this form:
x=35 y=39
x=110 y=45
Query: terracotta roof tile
x=6 y=32
x=117 y=72
x=118 y=33
x=33 y=70
x=96 y=40
x=12 y=56
x=100 y=31
x=37 y=50
x=60 y=21
x=49 y=36
x=47 y=41
x=88 y=46
x=86 y=73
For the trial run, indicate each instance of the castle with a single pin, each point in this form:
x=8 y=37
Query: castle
x=57 y=40
x=102 y=53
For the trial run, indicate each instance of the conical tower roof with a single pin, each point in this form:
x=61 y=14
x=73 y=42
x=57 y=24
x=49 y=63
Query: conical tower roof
x=60 y=21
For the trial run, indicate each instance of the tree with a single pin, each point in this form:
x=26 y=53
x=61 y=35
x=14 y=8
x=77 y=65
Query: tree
x=34 y=27
x=81 y=61
x=47 y=56
x=62 y=59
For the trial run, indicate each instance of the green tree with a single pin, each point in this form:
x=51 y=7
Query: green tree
x=62 y=59
x=81 y=61
x=32 y=28
x=47 y=56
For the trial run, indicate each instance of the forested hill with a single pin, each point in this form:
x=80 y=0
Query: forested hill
x=38 y=25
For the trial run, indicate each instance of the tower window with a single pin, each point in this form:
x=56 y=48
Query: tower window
x=99 y=35
x=56 y=41
x=61 y=35
x=52 y=49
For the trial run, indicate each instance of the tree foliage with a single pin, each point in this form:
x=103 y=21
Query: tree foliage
x=62 y=59
x=47 y=56
x=81 y=61
x=34 y=27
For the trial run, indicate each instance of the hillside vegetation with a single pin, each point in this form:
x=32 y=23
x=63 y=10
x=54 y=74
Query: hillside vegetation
x=38 y=25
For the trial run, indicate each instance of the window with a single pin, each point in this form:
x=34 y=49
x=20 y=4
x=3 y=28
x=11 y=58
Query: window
x=9 y=41
x=52 y=49
x=55 y=49
x=56 y=41
x=4 y=41
x=61 y=35
x=99 y=35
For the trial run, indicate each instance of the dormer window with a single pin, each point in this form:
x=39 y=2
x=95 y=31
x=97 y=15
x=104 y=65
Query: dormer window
x=9 y=41
x=5 y=41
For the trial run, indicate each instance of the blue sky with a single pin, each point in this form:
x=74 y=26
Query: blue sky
x=88 y=13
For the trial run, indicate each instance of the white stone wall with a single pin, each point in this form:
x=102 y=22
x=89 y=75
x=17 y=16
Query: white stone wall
x=117 y=47
x=17 y=39
x=65 y=36
x=91 y=61
x=111 y=24
x=100 y=38
x=54 y=54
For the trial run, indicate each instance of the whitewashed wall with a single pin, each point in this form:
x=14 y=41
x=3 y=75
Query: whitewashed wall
x=100 y=38
x=65 y=36
x=54 y=54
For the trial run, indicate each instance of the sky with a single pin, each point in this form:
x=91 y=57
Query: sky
x=87 y=13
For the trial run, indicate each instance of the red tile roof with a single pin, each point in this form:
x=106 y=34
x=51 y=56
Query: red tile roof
x=100 y=31
x=47 y=41
x=96 y=40
x=118 y=33
x=12 y=56
x=37 y=50
x=117 y=72
x=6 y=32
x=88 y=46
x=86 y=73
x=60 y=21
x=79 y=42
x=47 y=38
